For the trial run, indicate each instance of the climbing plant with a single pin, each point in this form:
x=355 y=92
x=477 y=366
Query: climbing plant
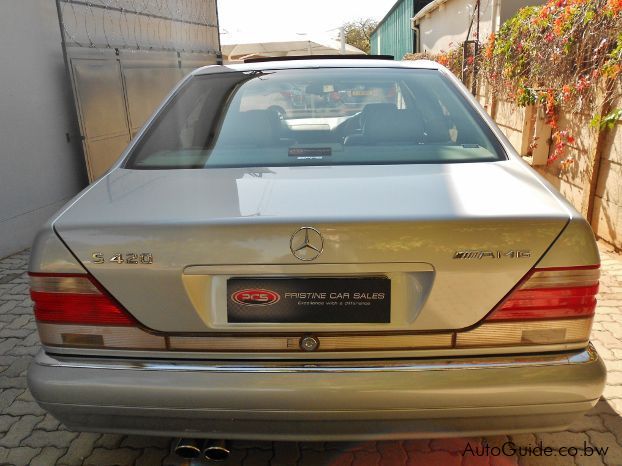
x=562 y=54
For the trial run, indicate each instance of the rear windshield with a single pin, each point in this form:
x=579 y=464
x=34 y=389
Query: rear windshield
x=327 y=116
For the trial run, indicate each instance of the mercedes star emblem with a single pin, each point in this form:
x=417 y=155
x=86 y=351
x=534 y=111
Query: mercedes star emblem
x=306 y=244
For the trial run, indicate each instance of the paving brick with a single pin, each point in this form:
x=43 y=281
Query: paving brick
x=342 y=458
x=319 y=446
x=7 y=397
x=602 y=407
x=49 y=423
x=80 y=448
x=7 y=343
x=614 y=377
x=151 y=457
x=613 y=391
x=19 y=431
x=140 y=442
x=7 y=305
x=607 y=440
x=21 y=456
x=503 y=461
x=417 y=445
x=566 y=439
x=285 y=454
x=434 y=458
x=31 y=340
x=20 y=408
x=309 y=458
x=17 y=367
x=42 y=438
x=593 y=460
x=588 y=423
x=524 y=440
x=458 y=445
x=475 y=461
x=12 y=382
x=607 y=339
x=19 y=322
x=496 y=440
x=24 y=350
x=6 y=422
x=392 y=453
x=109 y=441
x=19 y=333
x=237 y=456
x=114 y=457
x=548 y=461
x=48 y=456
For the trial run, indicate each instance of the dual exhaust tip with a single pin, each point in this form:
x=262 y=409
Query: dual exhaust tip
x=212 y=450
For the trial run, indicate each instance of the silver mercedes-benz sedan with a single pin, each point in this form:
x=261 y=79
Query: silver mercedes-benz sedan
x=375 y=263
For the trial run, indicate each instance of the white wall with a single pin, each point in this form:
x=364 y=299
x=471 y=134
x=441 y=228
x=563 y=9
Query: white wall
x=39 y=169
x=447 y=26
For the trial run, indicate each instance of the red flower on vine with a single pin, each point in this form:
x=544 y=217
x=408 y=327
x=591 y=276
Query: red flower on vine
x=615 y=6
x=582 y=84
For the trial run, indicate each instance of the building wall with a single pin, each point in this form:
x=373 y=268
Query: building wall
x=394 y=35
x=587 y=156
x=447 y=26
x=607 y=216
x=39 y=168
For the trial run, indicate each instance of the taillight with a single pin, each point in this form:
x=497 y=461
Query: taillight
x=73 y=310
x=74 y=299
x=550 y=306
x=552 y=294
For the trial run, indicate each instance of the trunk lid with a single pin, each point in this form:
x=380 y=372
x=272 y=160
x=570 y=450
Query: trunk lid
x=453 y=239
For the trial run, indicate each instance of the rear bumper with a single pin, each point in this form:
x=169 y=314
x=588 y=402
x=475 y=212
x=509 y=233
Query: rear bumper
x=319 y=401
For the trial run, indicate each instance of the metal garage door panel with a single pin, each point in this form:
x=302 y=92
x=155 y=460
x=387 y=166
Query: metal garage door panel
x=99 y=86
x=146 y=87
x=103 y=153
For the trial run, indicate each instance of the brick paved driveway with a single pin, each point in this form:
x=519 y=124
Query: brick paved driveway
x=29 y=436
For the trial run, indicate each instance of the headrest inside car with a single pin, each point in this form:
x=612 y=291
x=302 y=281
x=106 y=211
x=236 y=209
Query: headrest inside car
x=251 y=128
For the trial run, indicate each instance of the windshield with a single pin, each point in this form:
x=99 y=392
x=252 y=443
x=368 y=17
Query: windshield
x=326 y=116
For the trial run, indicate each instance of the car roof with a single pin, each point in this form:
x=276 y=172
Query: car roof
x=322 y=63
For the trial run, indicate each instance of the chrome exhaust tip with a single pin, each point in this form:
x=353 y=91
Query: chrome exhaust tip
x=216 y=450
x=189 y=448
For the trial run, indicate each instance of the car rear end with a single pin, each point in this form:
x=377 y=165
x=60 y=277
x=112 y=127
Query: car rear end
x=315 y=298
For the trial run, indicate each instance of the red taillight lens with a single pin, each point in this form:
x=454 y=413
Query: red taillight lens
x=553 y=293
x=74 y=299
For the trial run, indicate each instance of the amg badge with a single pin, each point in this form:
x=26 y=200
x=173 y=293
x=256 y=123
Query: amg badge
x=513 y=254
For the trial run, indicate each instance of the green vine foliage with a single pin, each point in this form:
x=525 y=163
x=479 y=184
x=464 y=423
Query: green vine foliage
x=559 y=55
x=565 y=45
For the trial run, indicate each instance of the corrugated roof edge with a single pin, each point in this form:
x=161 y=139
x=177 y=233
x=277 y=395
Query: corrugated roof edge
x=381 y=22
x=429 y=8
x=297 y=64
